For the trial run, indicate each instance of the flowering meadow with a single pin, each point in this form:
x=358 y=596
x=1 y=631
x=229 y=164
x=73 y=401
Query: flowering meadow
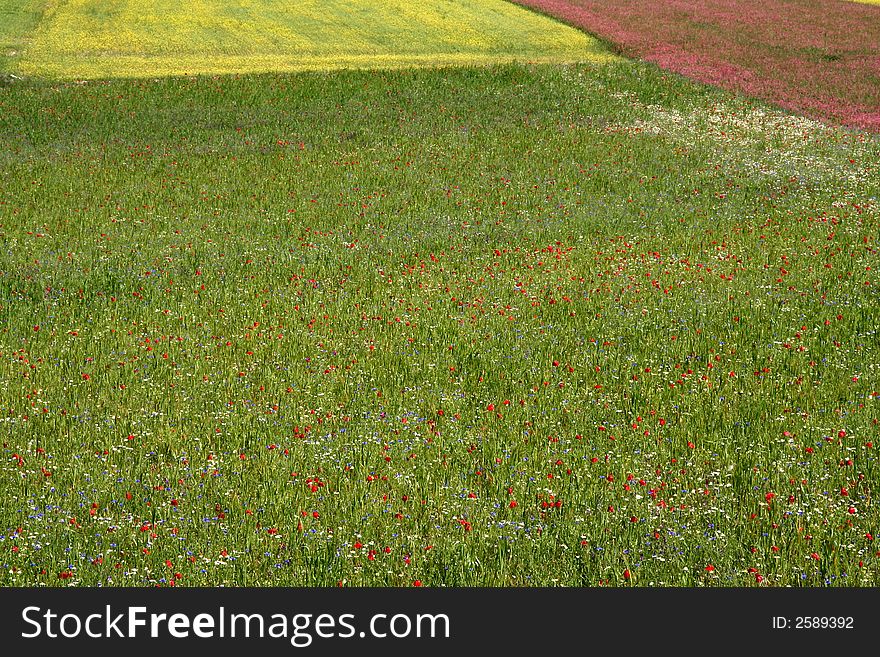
x=819 y=57
x=517 y=325
x=131 y=38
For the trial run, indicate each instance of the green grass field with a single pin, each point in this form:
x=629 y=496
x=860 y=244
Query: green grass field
x=569 y=324
x=122 y=38
x=18 y=20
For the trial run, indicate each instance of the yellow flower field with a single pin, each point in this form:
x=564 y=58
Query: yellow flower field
x=136 y=38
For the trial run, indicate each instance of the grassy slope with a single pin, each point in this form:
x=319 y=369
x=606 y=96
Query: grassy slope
x=96 y=38
x=329 y=260
x=18 y=19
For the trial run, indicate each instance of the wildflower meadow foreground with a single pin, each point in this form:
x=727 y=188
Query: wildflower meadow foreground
x=574 y=323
